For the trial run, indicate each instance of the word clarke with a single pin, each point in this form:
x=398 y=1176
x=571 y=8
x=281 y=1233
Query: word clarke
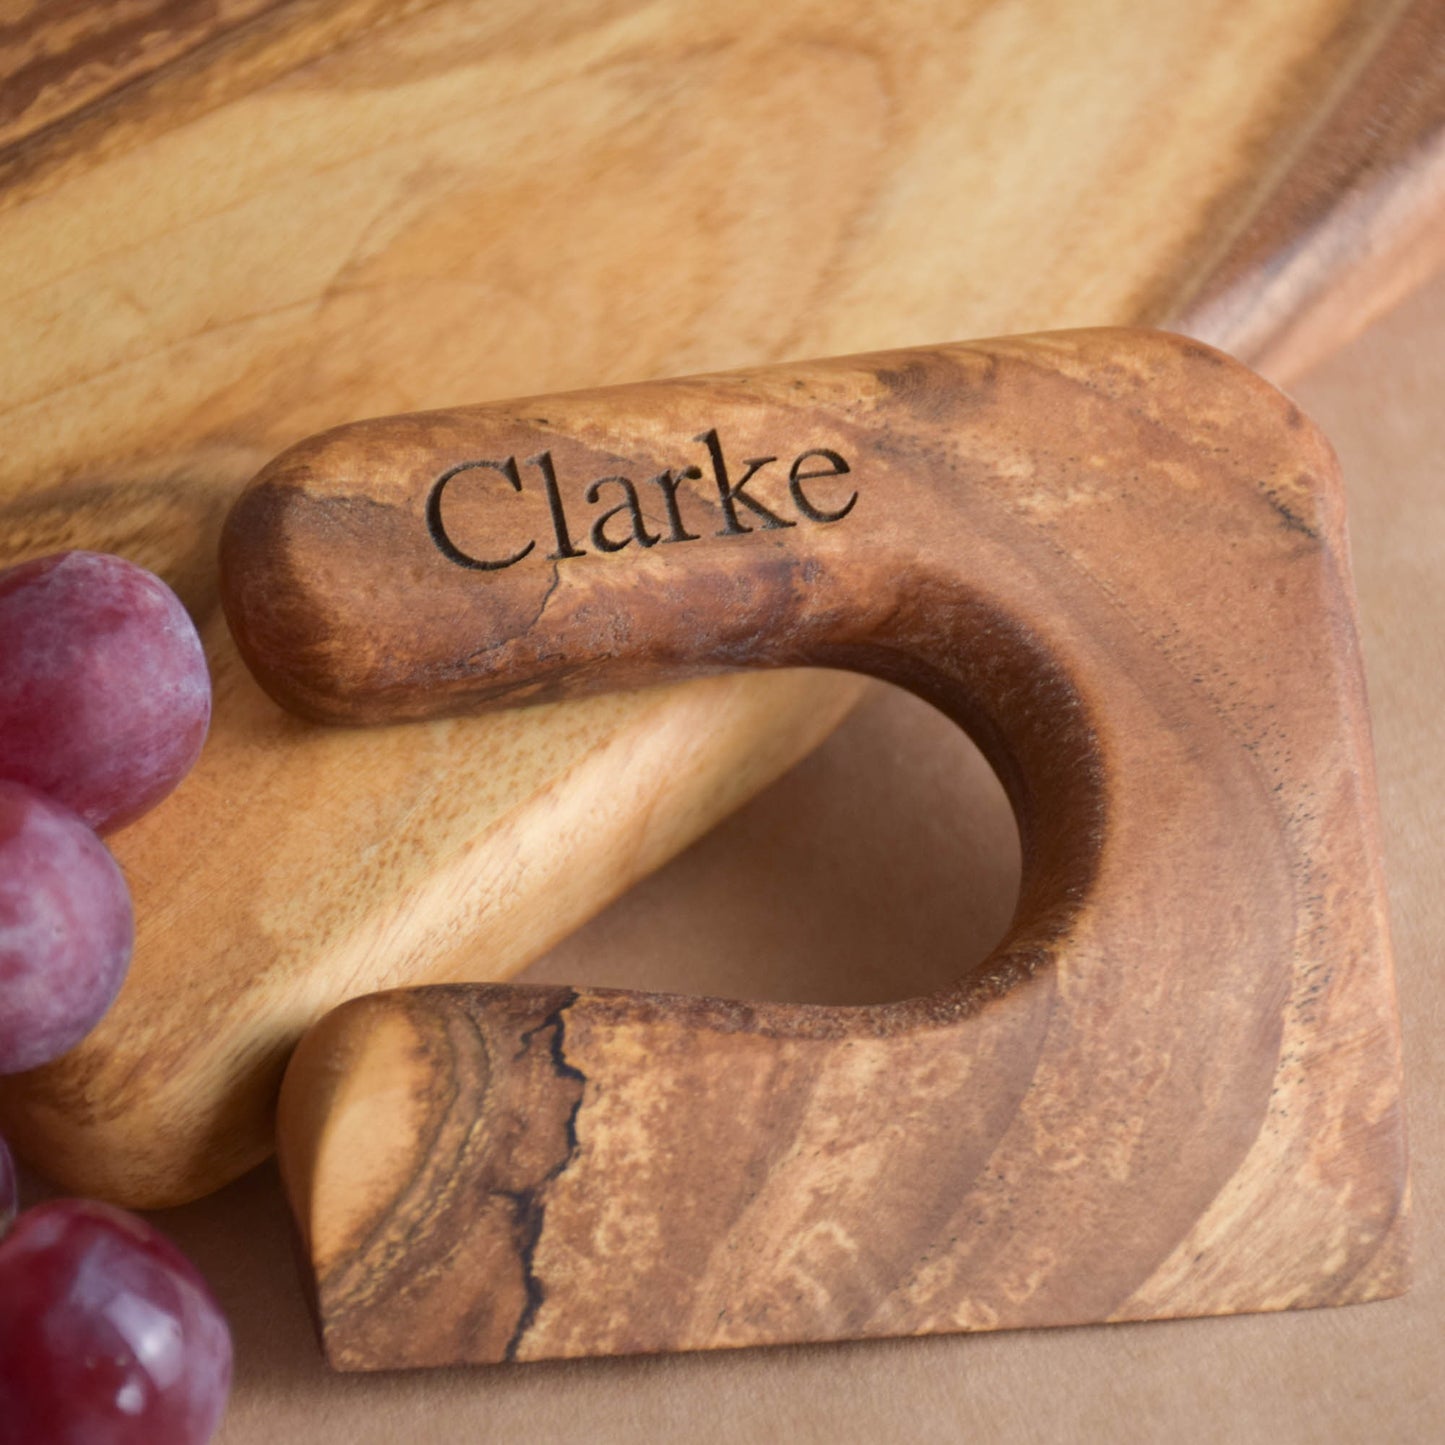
x=810 y=466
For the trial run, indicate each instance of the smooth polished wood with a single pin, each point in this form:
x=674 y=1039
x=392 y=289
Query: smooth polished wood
x=1119 y=560
x=225 y=227
x=795 y=898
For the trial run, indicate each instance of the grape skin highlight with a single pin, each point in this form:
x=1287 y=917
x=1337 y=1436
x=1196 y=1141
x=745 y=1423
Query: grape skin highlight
x=66 y=929
x=108 y=1334
x=104 y=694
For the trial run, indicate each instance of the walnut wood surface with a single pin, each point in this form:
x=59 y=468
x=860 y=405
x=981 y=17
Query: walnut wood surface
x=1119 y=560
x=224 y=227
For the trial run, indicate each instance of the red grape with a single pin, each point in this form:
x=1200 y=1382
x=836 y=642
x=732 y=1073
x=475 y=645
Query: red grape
x=65 y=929
x=9 y=1189
x=108 y=1334
x=104 y=693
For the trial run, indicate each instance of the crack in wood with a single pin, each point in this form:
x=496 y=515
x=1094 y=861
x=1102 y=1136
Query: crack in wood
x=529 y=1205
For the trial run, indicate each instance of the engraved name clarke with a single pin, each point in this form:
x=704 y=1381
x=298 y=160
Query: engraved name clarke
x=809 y=466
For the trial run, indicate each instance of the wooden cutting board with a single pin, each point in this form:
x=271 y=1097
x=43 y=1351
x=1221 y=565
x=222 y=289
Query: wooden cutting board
x=225 y=227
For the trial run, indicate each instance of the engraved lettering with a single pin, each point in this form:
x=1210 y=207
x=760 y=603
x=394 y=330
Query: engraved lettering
x=628 y=504
x=730 y=495
x=836 y=467
x=543 y=462
x=669 y=482
x=437 y=527
x=808 y=469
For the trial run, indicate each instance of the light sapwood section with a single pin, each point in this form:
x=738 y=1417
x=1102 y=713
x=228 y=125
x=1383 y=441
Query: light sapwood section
x=257 y=227
x=1119 y=560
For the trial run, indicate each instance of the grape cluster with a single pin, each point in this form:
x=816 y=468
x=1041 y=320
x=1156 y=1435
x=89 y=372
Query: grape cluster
x=108 y=1335
x=104 y=704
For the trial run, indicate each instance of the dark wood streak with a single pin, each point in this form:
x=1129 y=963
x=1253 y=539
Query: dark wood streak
x=499 y=1115
x=63 y=56
x=120 y=83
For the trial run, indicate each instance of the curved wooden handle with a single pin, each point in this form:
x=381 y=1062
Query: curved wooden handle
x=1118 y=560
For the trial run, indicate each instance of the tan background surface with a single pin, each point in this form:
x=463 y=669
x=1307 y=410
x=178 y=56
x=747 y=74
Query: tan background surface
x=843 y=883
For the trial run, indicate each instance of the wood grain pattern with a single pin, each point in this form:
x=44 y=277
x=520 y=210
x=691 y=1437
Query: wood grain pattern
x=1119 y=560
x=59 y=59
x=88 y=83
x=332 y=211
x=1367 y=188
